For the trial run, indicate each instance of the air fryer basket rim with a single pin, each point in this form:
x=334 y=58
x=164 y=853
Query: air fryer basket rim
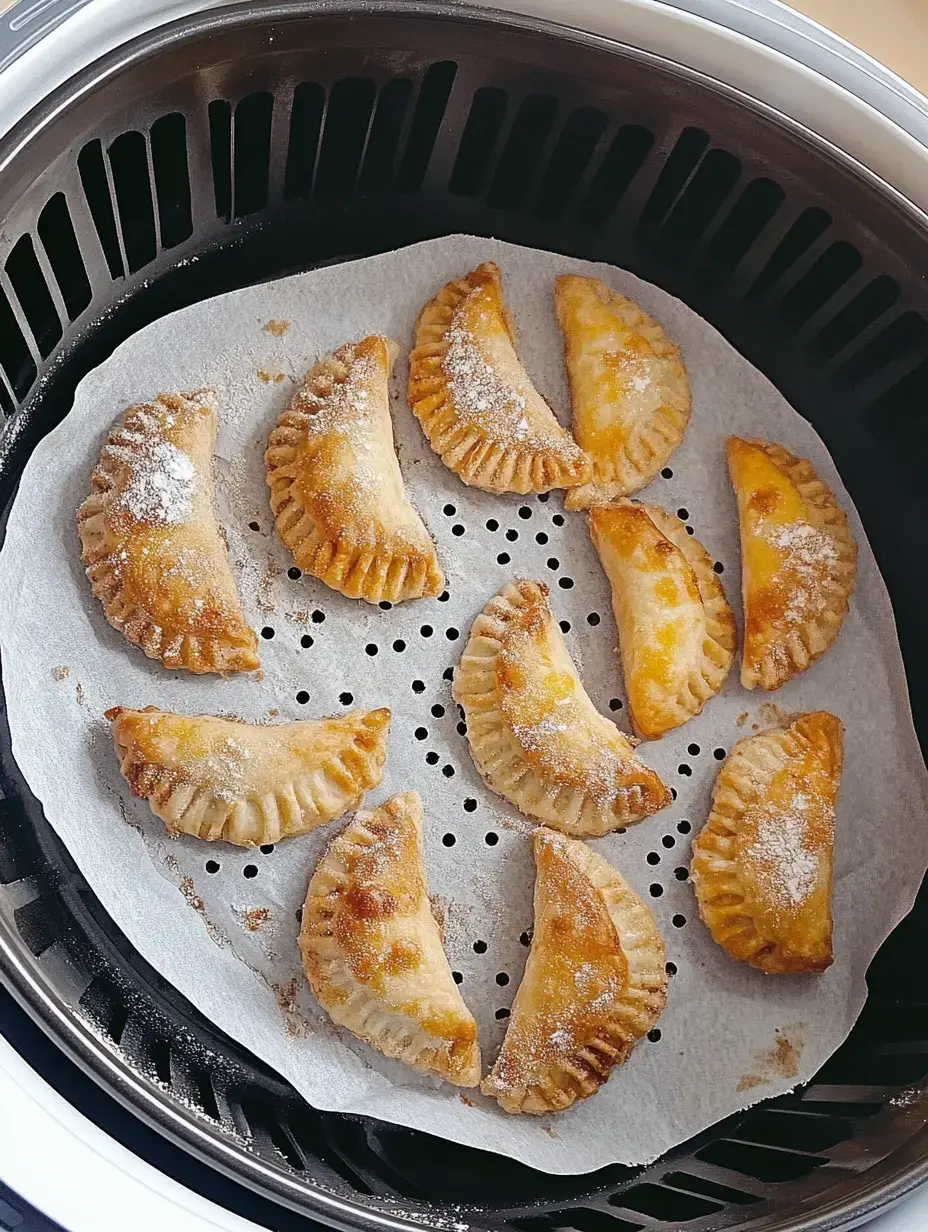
x=882 y=1185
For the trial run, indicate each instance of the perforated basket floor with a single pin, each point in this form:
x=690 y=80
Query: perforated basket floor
x=254 y=144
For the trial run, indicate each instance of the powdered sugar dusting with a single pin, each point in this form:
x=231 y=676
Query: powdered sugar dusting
x=809 y=557
x=162 y=483
x=789 y=869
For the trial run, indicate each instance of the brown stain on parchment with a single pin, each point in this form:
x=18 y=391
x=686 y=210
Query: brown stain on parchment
x=743 y=718
x=271 y=378
x=61 y=673
x=277 y=328
x=286 y=993
x=780 y=1061
x=254 y=918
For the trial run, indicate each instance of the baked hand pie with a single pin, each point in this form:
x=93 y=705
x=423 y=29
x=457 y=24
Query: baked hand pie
x=372 y=951
x=474 y=399
x=594 y=983
x=534 y=734
x=677 y=633
x=336 y=489
x=798 y=562
x=223 y=779
x=152 y=545
x=628 y=385
x=762 y=865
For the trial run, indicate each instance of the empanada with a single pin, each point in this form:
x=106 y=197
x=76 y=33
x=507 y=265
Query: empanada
x=762 y=865
x=336 y=489
x=534 y=734
x=220 y=778
x=628 y=385
x=798 y=562
x=677 y=633
x=594 y=983
x=372 y=950
x=151 y=543
x=474 y=399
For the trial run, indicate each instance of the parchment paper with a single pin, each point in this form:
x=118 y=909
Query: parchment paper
x=221 y=923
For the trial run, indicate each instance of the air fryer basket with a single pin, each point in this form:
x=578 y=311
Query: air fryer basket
x=237 y=147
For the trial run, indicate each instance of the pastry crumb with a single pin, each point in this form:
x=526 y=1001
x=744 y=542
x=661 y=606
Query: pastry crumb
x=465 y=1099
x=189 y=891
x=277 y=328
x=61 y=673
x=743 y=718
x=271 y=378
x=273 y=713
x=254 y=919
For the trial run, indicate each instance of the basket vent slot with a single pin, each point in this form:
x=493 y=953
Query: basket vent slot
x=795 y=1130
x=522 y=152
x=348 y=117
x=97 y=193
x=810 y=226
x=864 y=310
x=56 y=231
x=904 y=336
x=28 y=281
x=675 y=173
x=621 y=163
x=830 y=272
x=667 y=1205
x=576 y=144
x=760 y=1162
x=743 y=226
x=251 y=147
x=709 y=1189
x=478 y=141
x=386 y=130
x=172 y=179
x=220 y=147
x=132 y=184
x=579 y=1218
x=305 y=127
x=426 y=122
x=38 y=923
x=15 y=357
x=703 y=197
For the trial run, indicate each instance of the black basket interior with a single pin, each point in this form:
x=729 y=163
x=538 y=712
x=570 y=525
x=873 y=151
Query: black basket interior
x=260 y=144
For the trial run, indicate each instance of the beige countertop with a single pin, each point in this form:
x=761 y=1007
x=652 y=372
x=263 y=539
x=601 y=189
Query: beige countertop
x=894 y=31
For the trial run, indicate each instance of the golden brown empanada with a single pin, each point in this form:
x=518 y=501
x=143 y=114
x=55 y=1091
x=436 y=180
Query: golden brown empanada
x=534 y=734
x=798 y=562
x=629 y=388
x=474 y=399
x=220 y=778
x=594 y=983
x=336 y=488
x=152 y=545
x=372 y=950
x=762 y=865
x=677 y=633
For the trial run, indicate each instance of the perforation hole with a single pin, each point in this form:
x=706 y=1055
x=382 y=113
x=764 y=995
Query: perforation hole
x=526 y=938
x=653 y=858
x=457 y=530
x=503 y=558
x=452 y=634
x=399 y=645
x=457 y=977
x=564 y=626
x=212 y=866
x=385 y=605
x=461 y=728
x=690 y=530
x=491 y=839
x=306 y=641
x=448 y=673
x=502 y=979
x=671 y=969
x=718 y=567
x=719 y=754
x=444 y=597
x=684 y=769
x=250 y=871
x=426 y=631
x=254 y=525
x=541 y=537
x=346 y=699
x=470 y=805
x=684 y=827
x=512 y=535
x=432 y=758
x=267 y=633
x=318 y=617
x=666 y=473
x=302 y=697
x=448 y=771
x=655 y=1035
x=266 y=848
x=418 y=686
x=668 y=841
x=558 y=519
x=615 y=703
x=565 y=583
x=553 y=563
x=371 y=649
x=492 y=524
x=681 y=873
x=679 y=921
x=693 y=750
x=502 y=1013
x=448 y=840
x=480 y=947
x=421 y=733
x=449 y=511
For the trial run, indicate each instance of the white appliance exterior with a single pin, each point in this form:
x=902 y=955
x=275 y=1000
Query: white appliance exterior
x=51 y=1154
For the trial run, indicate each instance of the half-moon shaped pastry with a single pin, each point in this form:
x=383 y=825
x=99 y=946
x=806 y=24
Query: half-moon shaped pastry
x=594 y=983
x=220 y=778
x=336 y=489
x=629 y=388
x=152 y=545
x=372 y=950
x=762 y=865
x=677 y=633
x=534 y=734
x=798 y=562
x=474 y=399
